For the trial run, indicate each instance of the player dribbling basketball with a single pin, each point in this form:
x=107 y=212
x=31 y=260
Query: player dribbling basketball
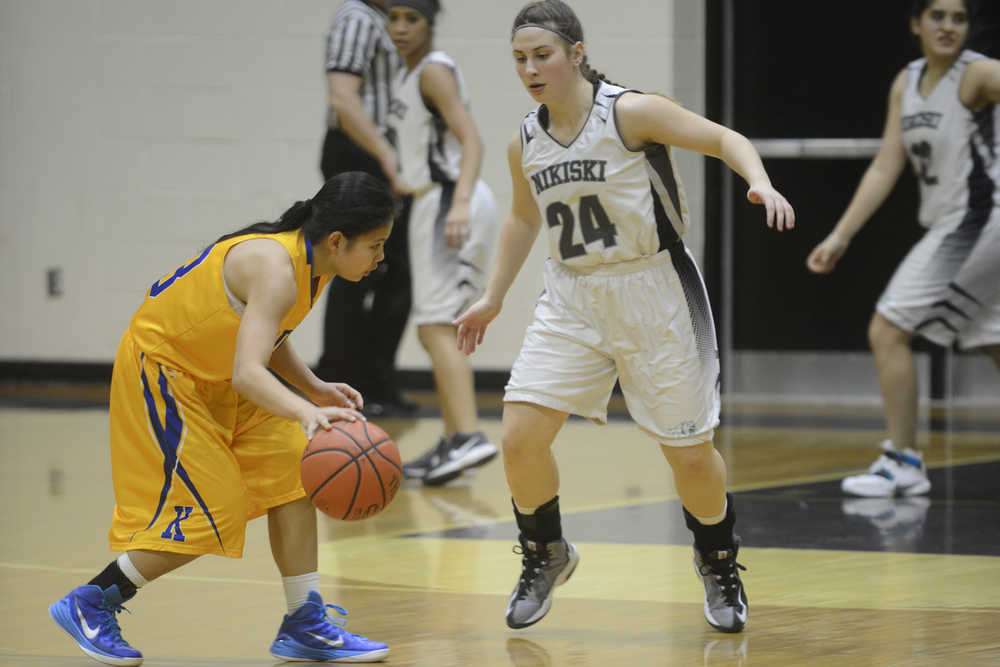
x=623 y=299
x=204 y=438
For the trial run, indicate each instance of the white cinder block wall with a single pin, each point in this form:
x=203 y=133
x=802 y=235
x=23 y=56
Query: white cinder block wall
x=133 y=133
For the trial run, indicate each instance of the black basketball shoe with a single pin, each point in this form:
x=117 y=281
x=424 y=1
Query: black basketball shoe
x=543 y=567
x=725 y=600
x=418 y=467
x=459 y=452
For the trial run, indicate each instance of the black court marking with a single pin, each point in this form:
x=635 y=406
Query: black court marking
x=959 y=516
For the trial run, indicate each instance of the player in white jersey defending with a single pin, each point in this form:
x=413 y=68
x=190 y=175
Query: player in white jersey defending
x=623 y=300
x=452 y=227
x=943 y=115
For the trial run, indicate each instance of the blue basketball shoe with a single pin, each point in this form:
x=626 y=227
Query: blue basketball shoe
x=88 y=615
x=311 y=634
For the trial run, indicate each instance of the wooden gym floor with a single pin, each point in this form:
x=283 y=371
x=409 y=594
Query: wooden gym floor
x=831 y=580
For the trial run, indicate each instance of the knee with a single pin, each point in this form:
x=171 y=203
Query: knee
x=691 y=462
x=516 y=447
x=883 y=334
x=436 y=335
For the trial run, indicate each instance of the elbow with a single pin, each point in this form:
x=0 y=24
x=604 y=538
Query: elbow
x=731 y=144
x=242 y=379
x=339 y=100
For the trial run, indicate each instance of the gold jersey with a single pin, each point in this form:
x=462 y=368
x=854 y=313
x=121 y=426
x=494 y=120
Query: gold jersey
x=187 y=322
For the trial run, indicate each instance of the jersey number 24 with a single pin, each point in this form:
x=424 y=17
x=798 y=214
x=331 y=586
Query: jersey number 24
x=594 y=225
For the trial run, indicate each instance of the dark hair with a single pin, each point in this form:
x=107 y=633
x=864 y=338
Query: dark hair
x=352 y=203
x=971 y=8
x=429 y=9
x=560 y=16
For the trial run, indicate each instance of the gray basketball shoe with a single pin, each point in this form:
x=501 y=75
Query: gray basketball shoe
x=725 y=600
x=543 y=567
x=460 y=452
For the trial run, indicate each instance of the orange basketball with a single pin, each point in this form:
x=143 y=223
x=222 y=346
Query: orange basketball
x=351 y=471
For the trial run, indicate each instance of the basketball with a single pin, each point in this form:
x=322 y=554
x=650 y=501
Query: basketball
x=351 y=471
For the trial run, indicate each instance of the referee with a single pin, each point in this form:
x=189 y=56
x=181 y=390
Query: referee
x=365 y=320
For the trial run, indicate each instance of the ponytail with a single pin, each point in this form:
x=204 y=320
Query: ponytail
x=352 y=203
x=593 y=76
x=294 y=218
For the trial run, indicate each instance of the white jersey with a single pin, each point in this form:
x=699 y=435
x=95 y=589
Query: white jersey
x=428 y=151
x=953 y=150
x=602 y=202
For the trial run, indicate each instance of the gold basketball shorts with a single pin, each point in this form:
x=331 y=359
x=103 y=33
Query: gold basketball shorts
x=192 y=461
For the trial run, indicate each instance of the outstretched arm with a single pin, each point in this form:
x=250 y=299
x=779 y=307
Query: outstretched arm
x=654 y=119
x=516 y=238
x=440 y=87
x=872 y=191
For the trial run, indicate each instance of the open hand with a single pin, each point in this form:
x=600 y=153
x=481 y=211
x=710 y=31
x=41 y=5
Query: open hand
x=318 y=418
x=473 y=322
x=779 y=211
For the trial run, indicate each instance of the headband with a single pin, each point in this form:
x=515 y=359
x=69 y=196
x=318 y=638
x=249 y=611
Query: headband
x=425 y=7
x=544 y=27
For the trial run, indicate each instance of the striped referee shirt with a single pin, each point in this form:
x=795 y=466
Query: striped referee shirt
x=359 y=44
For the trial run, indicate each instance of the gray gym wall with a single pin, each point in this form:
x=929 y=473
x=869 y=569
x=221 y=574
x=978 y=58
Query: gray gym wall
x=134 y=132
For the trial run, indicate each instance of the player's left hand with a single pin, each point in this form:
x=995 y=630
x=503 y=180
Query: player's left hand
x=473 y=322
x=456 y=224
x=779 y=211
x=337 y=394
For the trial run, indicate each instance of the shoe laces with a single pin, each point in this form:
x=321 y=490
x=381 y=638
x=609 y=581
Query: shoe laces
x=339 y=623
x=429 y=455
x=884 y=465
x=725 y=572
x=532 y=563
x=109 y=624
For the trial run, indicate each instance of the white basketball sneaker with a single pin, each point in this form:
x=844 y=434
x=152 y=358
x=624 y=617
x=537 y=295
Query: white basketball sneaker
x=900 y=521
x=893 y=473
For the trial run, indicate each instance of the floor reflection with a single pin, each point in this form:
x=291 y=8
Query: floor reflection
x=459 y=505
x=525 y=653
x=958 y=517
x=730 y=651
x=899 y=521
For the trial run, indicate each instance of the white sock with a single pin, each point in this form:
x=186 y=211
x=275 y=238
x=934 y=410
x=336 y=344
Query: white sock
x=129 y=570
x=525 y=510
x=712 y=520
x=297 y=589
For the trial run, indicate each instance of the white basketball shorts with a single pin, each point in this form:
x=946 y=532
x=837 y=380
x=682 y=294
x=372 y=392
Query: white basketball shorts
x=446 y=280
x=947 y=288
x=645 y=322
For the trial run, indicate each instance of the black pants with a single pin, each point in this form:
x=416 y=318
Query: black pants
x=365 y=320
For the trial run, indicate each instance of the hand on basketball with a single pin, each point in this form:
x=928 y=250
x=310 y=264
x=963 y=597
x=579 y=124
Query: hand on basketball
x=456 y=225
x=319 y=417
x=473 y=322
x=779 y=211
x=825 y=255
x=338 y=395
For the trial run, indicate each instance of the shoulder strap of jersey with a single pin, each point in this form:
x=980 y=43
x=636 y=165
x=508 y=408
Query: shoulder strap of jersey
x=529 y=128
x=913 y=70
x=615 y=94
